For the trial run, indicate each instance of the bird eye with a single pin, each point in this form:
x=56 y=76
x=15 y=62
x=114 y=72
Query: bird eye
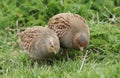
x=52 y=46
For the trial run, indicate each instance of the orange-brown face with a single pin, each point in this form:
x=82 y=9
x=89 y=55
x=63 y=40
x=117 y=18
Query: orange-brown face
x=81 y=41
x=53 y=47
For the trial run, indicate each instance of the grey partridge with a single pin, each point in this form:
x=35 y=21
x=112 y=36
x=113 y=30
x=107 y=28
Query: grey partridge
x=39 y=42
x=71 y=29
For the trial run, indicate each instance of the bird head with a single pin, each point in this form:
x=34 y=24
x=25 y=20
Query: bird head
x=53 y=46
x=80 y=41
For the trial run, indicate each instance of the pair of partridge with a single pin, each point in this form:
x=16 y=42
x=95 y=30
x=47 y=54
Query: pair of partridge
x=72 y=30
x=65 y=29
x=39 y=42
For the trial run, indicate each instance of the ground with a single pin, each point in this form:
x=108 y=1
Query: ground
x=103 y=52
x=102 y=61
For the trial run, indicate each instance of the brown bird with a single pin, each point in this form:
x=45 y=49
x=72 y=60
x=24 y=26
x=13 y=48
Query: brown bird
x=71 y=29
x=39 y=42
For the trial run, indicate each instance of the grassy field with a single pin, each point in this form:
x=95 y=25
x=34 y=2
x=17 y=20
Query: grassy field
x=103 y=53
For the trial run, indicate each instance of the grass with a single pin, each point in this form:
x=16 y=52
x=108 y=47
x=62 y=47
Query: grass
x=103 y=57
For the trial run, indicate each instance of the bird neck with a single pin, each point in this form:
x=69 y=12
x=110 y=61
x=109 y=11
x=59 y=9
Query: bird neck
x=75 y=43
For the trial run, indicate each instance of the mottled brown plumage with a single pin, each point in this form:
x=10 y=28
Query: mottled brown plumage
x=71 y=29
x=39 y=42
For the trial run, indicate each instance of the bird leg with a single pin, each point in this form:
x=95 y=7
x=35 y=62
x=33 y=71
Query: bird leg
x=65 y=52
x=67 y=55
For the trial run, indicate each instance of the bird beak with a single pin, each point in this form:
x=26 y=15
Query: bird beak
x=55 y=51
x=81 y=48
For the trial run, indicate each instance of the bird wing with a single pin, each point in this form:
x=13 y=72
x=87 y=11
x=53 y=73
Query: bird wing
x=59 y=24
